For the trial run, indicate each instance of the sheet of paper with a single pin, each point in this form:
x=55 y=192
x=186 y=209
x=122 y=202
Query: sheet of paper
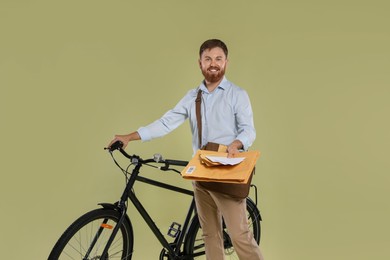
x=225 y=160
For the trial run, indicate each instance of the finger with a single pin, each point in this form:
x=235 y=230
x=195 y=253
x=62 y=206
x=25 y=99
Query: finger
x=113 y=141
x=232 y=152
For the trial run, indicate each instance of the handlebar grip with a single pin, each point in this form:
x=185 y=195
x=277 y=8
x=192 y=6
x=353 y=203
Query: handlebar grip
x=176 y=162
x=116 y=146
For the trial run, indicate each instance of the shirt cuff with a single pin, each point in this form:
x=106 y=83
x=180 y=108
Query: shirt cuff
x=144 y=133
x=245 y=143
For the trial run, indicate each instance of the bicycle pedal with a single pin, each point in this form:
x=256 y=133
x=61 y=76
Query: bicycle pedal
x=174 y=230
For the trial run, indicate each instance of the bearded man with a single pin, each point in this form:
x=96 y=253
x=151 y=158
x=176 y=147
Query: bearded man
x=226 y=118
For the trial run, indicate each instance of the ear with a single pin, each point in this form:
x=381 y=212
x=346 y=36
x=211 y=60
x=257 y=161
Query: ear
x=200 y=63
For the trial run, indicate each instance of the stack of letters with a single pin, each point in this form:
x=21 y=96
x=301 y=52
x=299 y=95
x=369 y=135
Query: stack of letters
x=216 y=167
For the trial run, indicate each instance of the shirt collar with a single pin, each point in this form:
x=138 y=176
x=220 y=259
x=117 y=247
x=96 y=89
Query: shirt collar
x=223 y=85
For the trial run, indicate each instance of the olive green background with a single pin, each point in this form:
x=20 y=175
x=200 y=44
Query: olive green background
x=74 y=73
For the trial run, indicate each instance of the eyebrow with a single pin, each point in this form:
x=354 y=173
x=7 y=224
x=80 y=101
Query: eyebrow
x=219 y=56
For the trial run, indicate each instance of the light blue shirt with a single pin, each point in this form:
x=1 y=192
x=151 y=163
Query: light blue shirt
x=226 y=116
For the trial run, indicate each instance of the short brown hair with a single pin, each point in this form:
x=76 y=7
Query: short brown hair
x=213 y=43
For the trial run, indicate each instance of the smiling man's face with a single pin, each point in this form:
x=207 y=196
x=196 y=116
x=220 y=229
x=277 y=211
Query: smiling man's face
x=213 y=64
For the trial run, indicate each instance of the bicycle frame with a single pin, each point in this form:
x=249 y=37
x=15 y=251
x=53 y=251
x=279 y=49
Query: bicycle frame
x=128 y=193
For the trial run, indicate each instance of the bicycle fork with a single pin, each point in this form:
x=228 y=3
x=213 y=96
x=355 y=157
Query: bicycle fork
x=95 y=239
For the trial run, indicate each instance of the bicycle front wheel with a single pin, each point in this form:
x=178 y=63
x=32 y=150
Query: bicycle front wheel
x=87 y=237
x=194 y=244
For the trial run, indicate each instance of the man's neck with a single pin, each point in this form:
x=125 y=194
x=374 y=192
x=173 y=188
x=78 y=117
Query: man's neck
x=211 y=86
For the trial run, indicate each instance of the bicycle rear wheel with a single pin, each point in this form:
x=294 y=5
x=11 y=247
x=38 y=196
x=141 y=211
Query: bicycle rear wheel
x=194 y=245
x=87 y=237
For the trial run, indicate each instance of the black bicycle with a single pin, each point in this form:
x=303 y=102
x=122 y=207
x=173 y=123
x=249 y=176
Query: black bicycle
x=107 y=232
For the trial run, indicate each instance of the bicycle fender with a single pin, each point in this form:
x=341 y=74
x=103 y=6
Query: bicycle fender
x=109 y=205
x=254 y=207
x=114 y=207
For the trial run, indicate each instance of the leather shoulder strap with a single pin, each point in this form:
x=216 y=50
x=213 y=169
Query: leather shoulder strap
x=198 y=102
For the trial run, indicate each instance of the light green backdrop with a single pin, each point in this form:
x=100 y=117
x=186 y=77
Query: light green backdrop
x=74 y=73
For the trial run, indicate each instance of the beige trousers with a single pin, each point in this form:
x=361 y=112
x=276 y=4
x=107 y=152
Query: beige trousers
x=211 y=206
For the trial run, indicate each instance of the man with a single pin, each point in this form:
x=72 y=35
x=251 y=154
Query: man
x=226 y=119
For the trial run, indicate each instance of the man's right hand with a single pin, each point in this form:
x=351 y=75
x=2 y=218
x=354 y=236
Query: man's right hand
x=125 y=139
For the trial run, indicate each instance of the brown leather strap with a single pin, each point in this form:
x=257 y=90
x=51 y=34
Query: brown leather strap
x=198 y=102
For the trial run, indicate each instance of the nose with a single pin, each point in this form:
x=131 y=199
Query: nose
x=213 y=63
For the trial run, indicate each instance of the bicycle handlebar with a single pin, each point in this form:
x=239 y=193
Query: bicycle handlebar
x=176 y=162
x=157 y=158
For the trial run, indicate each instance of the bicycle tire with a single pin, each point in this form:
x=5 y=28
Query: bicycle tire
x=75 y=241
x=194 y=245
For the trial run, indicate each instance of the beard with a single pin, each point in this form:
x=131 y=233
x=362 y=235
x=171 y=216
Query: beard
x=213 y=76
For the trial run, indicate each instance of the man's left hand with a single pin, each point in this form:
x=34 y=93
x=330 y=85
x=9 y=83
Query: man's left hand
x=234 y=148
